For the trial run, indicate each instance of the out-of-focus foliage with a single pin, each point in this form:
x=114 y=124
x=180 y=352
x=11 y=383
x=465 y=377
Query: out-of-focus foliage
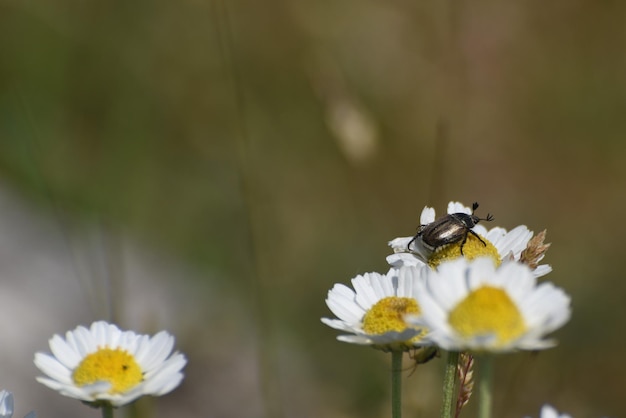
x=277 y=146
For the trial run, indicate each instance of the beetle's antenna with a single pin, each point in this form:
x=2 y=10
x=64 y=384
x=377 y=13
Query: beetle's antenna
x=489 y=218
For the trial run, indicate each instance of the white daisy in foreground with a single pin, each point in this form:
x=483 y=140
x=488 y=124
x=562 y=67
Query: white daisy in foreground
x=105 y=366
x=475 y=306
x=373 y=312
x=495 y=242
x=549 y=412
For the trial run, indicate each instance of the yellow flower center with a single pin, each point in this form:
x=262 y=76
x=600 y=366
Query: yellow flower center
x=388 y=315
x=488 y=310
x=472 y=249
x=115 y=366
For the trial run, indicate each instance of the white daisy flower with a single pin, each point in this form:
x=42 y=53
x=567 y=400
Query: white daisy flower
x=104 y=365
x=373 y=313
x=6 y=404
x=549 y=412
x=496 y=242
x=473 y=305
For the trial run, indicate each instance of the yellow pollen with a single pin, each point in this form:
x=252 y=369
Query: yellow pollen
x=488 y=310
x=472 y=249
x=115 y=366
x=388 y=315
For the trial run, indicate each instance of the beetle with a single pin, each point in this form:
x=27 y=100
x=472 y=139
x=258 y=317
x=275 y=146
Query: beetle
x=450 y=229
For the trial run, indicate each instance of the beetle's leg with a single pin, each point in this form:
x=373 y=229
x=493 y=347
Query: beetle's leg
x=464 y=240
x=477 y=236
x=419 y=232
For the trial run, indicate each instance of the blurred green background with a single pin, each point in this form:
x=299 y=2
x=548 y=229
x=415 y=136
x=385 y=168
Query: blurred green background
x=261 y=152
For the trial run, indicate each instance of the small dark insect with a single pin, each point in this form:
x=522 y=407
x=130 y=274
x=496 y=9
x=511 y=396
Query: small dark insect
x=422 y=355
x=449 y=229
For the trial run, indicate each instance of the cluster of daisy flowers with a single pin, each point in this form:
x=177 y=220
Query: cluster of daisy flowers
x=489 y=299
x=463 y=288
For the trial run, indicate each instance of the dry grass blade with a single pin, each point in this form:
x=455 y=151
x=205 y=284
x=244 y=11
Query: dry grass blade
x=465 y=370
x=535 y=250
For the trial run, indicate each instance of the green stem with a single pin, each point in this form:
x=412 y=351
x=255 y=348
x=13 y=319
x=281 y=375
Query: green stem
x=449 y=384
x=485 y=386
x=107 y=411
x=396 y=384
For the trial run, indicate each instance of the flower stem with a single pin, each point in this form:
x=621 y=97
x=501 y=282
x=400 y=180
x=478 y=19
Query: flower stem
x=485 y=386
x=449 y=384
x=107 y=411
x=396 y=384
